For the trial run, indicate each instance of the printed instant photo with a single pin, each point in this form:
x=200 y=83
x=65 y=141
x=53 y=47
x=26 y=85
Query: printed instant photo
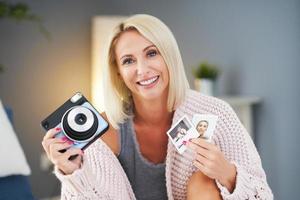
x=205 y=125
x=182 y=131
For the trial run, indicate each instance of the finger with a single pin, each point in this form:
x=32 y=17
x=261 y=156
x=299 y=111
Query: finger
x=62 y=160
x=203 y=143
x=57 y=148
x=205 y=162
x=51 y=133
x=78 y=160
x=202 y=168
x=198 y=149
x=74 y=164
x=48 y=142
x=201 y=159
x=72 y=152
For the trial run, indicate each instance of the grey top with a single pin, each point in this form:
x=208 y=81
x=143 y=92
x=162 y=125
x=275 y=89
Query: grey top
x=146 y=178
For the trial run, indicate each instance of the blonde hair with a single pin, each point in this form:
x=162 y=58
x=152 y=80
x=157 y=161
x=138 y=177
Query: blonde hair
x=118 y=100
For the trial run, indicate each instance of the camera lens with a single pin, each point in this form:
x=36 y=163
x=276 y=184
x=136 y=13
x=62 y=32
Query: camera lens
x=80 y=123
x=80 y=119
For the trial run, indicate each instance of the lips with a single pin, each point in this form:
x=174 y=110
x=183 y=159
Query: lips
x=149 y=81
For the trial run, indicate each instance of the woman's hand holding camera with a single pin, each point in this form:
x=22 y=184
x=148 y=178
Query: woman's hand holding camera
x=59 y=152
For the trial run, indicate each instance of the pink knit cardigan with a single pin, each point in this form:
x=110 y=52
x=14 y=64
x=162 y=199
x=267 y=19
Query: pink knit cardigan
x=102 y=177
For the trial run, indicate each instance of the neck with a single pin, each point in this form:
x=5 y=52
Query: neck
x=152 y=112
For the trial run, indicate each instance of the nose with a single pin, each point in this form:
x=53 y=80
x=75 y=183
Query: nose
x=142 y=67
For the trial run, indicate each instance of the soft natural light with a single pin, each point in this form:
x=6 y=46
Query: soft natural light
x=101 y=29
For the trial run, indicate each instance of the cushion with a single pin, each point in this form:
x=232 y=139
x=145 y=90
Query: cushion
x=13 y=161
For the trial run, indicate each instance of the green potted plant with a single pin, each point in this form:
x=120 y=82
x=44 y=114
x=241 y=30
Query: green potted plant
x=19 y=12
x=206 y=75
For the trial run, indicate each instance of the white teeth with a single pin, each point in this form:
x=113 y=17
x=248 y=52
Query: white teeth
x=147 y=82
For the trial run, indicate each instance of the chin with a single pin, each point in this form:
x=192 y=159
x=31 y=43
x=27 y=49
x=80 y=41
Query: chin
x=151 y=94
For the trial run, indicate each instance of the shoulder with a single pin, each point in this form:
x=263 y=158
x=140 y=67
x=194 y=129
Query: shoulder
x=228 y=122
x=110 y=137
x=196 y=102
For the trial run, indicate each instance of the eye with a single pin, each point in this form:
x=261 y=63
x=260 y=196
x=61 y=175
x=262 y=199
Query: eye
x=127 y=61
x=152 y=53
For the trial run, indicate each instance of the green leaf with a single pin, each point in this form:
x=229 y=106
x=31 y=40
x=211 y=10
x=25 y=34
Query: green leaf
x=19 y=11
x=4 y=9
x=206 y=70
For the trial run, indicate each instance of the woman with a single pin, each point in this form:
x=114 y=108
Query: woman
x=181 y=132
x=146 y=92
x=202 y=127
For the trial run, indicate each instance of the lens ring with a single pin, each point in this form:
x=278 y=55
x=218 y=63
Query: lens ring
x=79 y=135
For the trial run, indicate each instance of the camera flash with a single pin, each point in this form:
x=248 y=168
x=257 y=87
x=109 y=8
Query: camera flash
x=76 y=97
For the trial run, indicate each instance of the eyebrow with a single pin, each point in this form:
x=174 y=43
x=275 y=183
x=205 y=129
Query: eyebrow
x=129 y=55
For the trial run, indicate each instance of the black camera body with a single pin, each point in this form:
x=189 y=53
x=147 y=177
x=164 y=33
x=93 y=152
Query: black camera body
x=79 y=121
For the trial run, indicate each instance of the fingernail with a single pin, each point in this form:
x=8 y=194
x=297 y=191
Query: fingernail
x=70 y=142
x=64 y=139
x=58 y=129
x=184 y=142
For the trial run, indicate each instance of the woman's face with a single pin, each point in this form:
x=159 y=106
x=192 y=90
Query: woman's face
x=141 y=66
x=202 y=127
x=180 y=131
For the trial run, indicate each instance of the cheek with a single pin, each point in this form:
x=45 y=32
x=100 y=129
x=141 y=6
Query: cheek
x=126 y=75
x=166 y=74
x=159 y=64
x=164 y=70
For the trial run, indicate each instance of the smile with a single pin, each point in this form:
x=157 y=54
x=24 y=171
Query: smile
x=148 y=82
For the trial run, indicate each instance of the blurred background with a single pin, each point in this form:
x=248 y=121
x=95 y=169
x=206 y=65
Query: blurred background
x=255 y=44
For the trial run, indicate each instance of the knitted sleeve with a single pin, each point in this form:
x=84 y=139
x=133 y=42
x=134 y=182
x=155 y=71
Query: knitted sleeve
x=100 y=177
x=238 y=147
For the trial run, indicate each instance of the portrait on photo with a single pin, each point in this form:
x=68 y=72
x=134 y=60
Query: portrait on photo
x=205 y=125
x=181 y=132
